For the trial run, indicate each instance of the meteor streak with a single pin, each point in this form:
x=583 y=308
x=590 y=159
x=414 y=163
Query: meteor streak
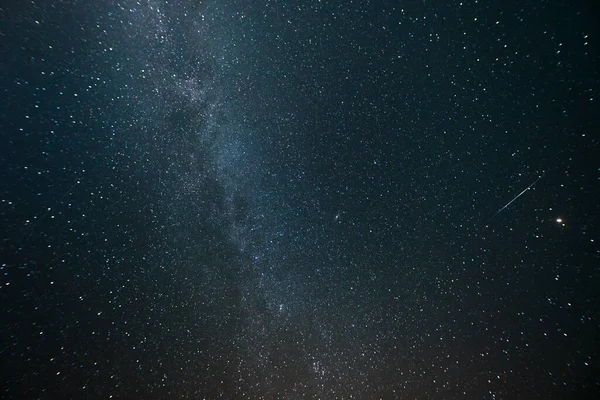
x=516 y=197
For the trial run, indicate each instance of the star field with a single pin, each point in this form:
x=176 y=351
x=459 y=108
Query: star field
x=299 y=199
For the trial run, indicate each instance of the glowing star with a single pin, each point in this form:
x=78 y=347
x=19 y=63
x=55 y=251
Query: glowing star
x=559 y=220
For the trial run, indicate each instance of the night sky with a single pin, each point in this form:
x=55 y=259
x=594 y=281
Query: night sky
x=299 y=199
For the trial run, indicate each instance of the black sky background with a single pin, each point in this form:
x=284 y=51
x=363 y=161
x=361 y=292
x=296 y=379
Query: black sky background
x=296 y=199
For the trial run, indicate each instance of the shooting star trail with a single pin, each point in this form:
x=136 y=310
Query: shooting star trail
x=516 y=197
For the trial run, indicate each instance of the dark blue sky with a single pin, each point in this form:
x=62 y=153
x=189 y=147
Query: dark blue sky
x=297 y=199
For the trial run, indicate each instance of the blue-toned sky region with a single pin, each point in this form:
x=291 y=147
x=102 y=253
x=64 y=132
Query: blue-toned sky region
x=290 y=199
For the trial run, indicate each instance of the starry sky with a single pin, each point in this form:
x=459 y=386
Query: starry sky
x=299 y=199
